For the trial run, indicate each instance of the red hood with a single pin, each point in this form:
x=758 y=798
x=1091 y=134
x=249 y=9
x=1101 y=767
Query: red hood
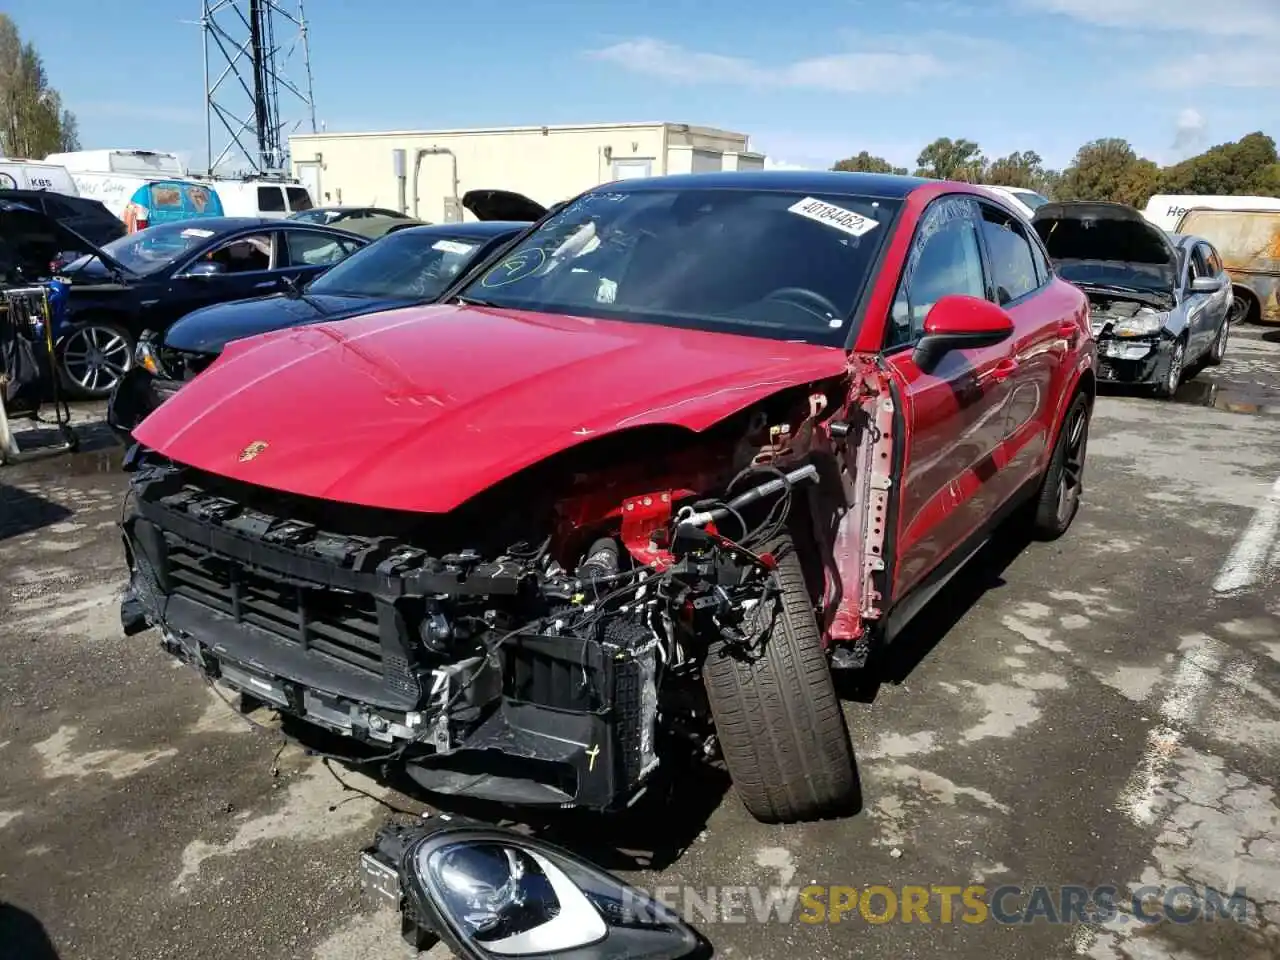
x=422 y=408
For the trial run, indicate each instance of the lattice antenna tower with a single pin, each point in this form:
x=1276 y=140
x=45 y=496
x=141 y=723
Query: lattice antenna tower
x=257 y=80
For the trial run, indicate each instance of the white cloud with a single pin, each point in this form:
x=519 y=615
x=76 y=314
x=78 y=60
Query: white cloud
x=1242 y=67
x=852 y=72
x=1244 y=18
x=771 y=164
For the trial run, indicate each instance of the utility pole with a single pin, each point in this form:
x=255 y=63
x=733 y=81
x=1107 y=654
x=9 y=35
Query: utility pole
x=257 y=79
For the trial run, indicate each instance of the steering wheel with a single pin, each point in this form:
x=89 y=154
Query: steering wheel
x=809 y=301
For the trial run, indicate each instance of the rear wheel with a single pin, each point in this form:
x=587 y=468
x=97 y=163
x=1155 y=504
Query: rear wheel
x=1063 y=484
x=777 y=716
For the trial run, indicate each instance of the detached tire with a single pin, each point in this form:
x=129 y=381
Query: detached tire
x=1060 y=492
x=779 y=722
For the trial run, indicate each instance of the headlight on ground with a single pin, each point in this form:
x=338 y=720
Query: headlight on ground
x=490 y=894
x=1144 y=323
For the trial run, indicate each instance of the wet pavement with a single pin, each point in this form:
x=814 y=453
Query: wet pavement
x=1101 y=711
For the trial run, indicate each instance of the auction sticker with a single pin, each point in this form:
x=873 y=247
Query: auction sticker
x=854 y=224
x=452 y=246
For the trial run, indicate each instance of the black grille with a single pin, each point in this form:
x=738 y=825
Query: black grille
x=180 y=364
x=339 y=625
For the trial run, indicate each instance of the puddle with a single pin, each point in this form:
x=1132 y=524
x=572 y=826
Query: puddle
x=96 y=455
x=1233 y=399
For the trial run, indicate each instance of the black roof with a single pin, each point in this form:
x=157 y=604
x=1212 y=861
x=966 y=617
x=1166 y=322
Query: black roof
x=886 y=185
x=477 y=229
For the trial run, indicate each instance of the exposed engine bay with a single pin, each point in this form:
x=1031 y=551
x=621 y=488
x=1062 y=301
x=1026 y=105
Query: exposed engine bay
x=541 y=644
x=1106 y=309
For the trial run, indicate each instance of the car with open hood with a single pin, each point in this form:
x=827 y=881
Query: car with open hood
x=1159 y=302
x=633 y=489
x=414 y=264
x=147 y=280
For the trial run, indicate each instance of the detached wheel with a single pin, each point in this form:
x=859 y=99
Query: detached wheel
x=777 y=716
x=93 y=358
x=1063 y=485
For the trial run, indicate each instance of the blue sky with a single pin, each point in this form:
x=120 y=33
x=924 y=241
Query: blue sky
x=810 y=82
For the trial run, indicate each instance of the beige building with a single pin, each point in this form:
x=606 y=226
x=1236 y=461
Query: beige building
x=424 y=172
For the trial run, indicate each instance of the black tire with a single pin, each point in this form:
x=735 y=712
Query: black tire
x=1063 y=486
x=1219 y=349
x=76 y=363
x=778 y=719
x=1167 y=387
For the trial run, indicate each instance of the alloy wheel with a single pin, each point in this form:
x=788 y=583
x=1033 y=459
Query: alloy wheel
x=1239 y=309
x=1071 y=481
x=1175 y=369
x=95 y=358
x=1220 y=344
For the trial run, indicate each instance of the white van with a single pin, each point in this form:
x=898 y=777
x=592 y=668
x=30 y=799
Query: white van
x=35 y=175
x=1165 y=210
x=274 y=199
x=141 y=187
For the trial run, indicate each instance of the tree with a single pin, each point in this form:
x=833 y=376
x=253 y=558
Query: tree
x=947 y=159
x=867 y=163
x=1018 y=169
x=1109 y=169
x=33 y=122
x=1242 y=167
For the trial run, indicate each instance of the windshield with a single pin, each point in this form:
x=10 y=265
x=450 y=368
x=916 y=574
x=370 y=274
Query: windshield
x=155 y=248
x=403 y=264
x=765 y=263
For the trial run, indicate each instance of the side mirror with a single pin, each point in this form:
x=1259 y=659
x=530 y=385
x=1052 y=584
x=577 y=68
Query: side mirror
x=205 y=269
x=960 y=322
x=1206 y=284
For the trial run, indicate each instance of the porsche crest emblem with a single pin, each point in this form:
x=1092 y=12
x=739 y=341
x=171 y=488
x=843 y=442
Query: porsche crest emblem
x=252 y=450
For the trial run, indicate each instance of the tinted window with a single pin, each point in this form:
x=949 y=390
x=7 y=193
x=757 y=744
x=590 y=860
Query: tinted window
x=156 y=247
x=313 y=249
x=408 y=265
x=945 y=258
x=270 y=200
x=1013 y=267
x=763 y=263
x=299 y=199
x=1212 y=258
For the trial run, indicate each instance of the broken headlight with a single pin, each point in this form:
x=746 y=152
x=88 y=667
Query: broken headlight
x=1144 y=323
x=491 y=893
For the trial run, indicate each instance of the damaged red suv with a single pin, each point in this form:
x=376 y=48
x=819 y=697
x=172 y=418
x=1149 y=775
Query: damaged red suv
x=654 y=471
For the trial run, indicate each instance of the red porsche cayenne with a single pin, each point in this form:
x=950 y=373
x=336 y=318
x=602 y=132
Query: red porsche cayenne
x=636 y=485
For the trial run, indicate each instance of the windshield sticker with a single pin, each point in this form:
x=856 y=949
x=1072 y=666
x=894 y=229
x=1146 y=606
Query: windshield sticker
x=516 y=267
x=195 y=232
x=854 y=224
x=452 y=246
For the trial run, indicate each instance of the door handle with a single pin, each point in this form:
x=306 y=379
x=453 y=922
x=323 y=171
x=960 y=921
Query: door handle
x=1003 y=370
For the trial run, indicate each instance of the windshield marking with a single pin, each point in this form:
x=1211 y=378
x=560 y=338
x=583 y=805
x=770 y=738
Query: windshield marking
x=517 y=267
x=819 y=211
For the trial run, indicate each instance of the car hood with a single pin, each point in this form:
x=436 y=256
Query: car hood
x=208 y=330
x=425 y=407
x=502 y=205
x=1112 y=232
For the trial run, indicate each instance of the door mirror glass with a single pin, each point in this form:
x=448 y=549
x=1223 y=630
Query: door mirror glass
x=205 y=269
x=960 y=322
x=1206 y=285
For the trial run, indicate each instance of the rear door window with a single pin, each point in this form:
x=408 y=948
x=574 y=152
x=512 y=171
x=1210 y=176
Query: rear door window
x=271 y=200
x=308 y=249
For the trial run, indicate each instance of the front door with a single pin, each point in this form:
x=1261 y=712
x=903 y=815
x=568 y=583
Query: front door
x=1202 y=313
x=955 y=411
x=237 y=269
